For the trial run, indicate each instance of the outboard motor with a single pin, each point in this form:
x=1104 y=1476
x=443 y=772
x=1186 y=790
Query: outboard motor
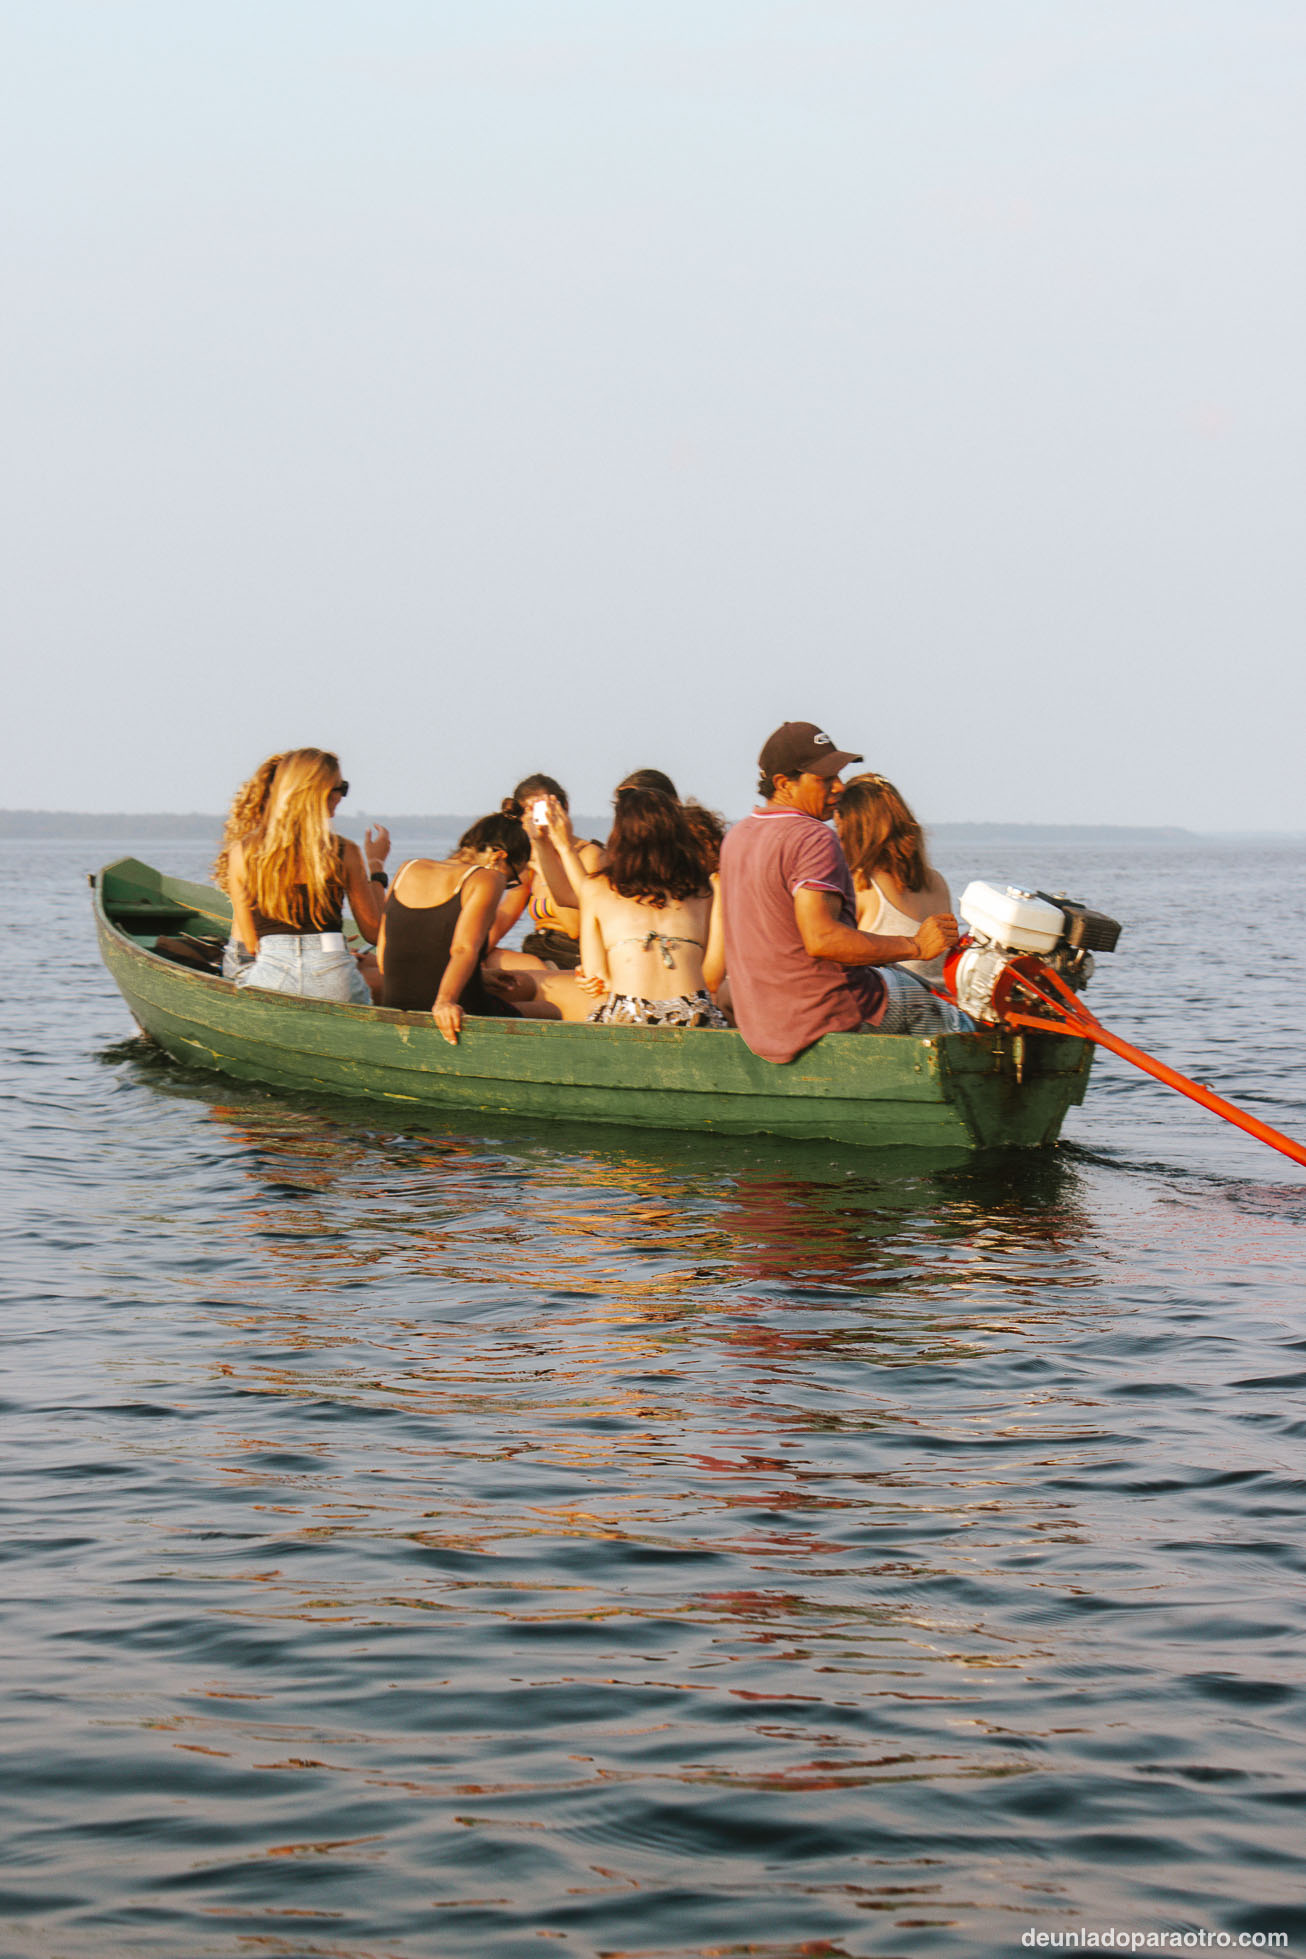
x=1006 y=927
x=1025 y=960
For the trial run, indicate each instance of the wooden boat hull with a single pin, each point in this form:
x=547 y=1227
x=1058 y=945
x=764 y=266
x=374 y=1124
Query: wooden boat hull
x=955 y=1091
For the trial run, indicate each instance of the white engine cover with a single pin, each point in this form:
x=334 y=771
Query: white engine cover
x=1012 y=918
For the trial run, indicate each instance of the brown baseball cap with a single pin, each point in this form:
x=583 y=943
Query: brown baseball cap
x=801 y=748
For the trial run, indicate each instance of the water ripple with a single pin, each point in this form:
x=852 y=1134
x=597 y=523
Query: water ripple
x=436 y=1541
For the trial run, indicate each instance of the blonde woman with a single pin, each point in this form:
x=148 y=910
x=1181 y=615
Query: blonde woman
x=289 y=877
x=896 y=885
x=246 y=813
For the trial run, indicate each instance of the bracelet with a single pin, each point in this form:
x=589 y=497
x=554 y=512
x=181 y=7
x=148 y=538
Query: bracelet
x=379 y=877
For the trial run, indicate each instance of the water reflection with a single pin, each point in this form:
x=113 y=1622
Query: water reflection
x=596 y=1303
x=652 y=1352
x=664 y=1544
x=642 y=1225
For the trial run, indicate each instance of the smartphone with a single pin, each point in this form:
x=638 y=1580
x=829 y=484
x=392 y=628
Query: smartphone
x=540 y=811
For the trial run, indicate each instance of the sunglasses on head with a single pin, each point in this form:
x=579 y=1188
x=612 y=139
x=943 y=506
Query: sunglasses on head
x=340 y=789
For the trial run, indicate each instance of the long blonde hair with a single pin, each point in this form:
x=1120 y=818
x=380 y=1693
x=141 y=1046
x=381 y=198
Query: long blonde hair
x=245 y=814
x=292 y=859
x=879 y=833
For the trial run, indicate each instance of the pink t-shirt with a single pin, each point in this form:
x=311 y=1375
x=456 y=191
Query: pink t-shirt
x=783 y=998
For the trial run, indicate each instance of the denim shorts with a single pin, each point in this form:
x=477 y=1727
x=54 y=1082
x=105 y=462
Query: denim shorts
x=235 y=959
x=318 y=966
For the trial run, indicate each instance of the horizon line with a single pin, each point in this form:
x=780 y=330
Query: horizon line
x=16 y=821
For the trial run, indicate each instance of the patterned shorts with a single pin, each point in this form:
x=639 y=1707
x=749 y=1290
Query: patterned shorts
x=911 y=1008
x=689 y=1010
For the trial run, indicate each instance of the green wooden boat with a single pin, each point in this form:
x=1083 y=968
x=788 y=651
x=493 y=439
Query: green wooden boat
x=993 y=1089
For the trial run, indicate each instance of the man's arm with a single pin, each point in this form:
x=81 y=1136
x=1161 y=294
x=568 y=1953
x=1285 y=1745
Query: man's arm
x=825 y=937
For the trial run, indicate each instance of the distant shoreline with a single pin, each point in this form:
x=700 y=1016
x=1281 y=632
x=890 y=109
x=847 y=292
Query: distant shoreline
x=54 y=824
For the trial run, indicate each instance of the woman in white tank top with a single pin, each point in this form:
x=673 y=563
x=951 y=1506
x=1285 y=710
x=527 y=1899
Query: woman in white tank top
x=897 y=887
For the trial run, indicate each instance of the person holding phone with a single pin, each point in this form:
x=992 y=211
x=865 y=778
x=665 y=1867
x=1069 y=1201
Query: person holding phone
x=547 y=889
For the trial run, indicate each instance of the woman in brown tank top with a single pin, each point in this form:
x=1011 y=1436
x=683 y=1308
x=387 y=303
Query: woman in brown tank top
x=437 y=921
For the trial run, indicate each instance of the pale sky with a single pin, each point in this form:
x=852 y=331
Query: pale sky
x=477 y=388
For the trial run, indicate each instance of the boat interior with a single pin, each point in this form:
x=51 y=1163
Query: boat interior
x=176 y=928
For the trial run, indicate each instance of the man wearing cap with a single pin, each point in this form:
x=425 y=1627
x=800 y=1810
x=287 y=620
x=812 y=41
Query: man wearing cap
x=798 y=965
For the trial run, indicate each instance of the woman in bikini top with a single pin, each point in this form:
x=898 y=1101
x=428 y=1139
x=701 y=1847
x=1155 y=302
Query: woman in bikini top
x=644 y=919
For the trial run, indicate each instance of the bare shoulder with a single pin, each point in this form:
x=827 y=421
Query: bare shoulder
x=481 y=889
x=922 y=904
x=422 y=878
x=481 y=878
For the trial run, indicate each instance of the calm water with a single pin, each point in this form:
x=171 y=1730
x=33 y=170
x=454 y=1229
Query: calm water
x=449 y=1539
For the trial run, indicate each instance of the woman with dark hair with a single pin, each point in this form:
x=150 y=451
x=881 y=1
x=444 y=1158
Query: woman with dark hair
x=577 y=867
x=650 y=779
x=896 y=885
x=438 y=917
x=644 y=919
x=709 y=833
x=547 y=887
